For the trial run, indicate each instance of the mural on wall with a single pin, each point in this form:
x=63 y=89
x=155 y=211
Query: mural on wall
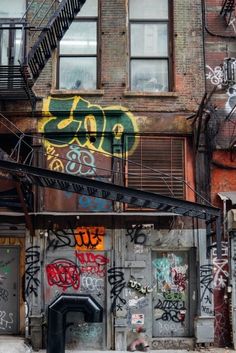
x=78 y=140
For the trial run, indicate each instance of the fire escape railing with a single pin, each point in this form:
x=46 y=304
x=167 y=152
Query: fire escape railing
x=227 y=9
x=18 y=73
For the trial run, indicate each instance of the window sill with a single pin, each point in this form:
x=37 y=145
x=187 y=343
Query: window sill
x=75 y=92
x=150 y=94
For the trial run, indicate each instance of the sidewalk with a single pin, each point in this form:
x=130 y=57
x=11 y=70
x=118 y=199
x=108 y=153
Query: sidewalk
x=9 y=344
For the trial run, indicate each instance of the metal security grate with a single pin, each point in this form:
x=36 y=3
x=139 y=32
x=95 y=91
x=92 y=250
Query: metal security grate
x=157 y=165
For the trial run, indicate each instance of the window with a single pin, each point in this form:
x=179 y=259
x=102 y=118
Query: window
x=11 y=36
x=157 y=165
x=78 y=51
x=12 y=8
x=149 y=52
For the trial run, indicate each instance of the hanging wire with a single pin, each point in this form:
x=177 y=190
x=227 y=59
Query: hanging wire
x=29 y=158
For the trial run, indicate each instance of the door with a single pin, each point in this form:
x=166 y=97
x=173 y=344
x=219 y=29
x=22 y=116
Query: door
x=172 y=311
x=9 y=289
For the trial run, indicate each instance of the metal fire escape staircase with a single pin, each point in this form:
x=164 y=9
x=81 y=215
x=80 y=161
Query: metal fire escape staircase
x=26 y=175
x=227 y=9
x=17 y=80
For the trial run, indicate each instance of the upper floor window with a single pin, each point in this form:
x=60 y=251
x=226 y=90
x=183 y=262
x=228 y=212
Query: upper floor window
x=78 y=51
x=149 y=51
x=12 y=8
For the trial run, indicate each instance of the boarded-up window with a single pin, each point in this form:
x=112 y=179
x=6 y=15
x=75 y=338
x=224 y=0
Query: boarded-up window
x=157 y=165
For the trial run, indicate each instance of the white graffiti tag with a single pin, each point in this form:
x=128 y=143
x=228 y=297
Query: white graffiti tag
x=220 y=273
x=232 y=23
x=4 y=322
x=215 y=75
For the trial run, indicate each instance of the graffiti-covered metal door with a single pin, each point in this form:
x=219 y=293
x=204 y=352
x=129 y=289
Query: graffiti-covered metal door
x=172 y=312
x=9 y=290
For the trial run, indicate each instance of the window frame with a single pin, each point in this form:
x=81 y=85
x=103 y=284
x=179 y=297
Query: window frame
x=93 y=19
x=185 y=162
x=169 y=23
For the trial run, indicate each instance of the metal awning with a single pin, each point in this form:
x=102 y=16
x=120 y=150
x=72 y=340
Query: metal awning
x=228 y=195
x=138 y=198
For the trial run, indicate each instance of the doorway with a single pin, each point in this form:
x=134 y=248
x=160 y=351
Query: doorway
x=9 y=289
x=174 y=294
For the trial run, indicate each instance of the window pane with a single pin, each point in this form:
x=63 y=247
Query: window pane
x=149 y=39
x=149 y=75
x=148 y=9
x=81 y=38
x=90 y=8
x=18 y=46
x=12 y=8
x=4 y=47
x=78 y=73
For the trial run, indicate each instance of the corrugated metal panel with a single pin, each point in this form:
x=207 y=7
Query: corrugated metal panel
x=10 y=229
x=155 y=165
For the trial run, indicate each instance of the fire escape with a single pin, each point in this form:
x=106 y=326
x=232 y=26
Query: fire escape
x=17 y=78
x=27 y=44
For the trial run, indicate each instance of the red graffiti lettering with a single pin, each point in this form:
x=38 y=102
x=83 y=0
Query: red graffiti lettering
x=93 y=264
x=63 y=273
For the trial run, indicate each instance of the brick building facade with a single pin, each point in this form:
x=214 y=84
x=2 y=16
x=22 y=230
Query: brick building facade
x=112 y=102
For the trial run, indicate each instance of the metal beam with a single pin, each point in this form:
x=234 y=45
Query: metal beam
x=95 y=188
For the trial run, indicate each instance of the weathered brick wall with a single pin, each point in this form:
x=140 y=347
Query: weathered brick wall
x=187 y=63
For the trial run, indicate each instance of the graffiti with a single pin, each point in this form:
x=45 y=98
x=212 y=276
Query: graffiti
x=206 y=279
x=92 y=284
x=89 y=238
x=232 y=23
x=179 y=278
x=221 y=305
x=63 y=273
x=81 y=238
x=93 y=264
x=173 y=296
x=95 y=204
x=32 y=258
x=136 y=234
x=215 y=75
x=86 y=331
x=83 y=118
x=220 y=273
x=82 y=162
x=139 y=287
x=222 y=325
x=117 y=281
x=170 y=311
x=165 y=328
x=4 y=294
x=5 y=323
x=55 y=162
x=207 y=310
x=171 y=275
x=138 y=303
x=171 y=344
